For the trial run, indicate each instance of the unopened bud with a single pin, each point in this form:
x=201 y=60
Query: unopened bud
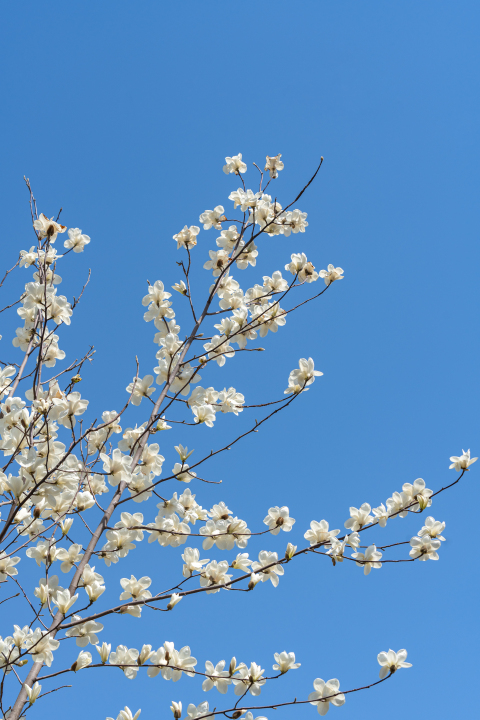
x=237 y=714
x=290 y=551
x=66 y=525
x=176 y=709
x=233 y=666
x=174 y=600
x=422 y=501
x=76 y=379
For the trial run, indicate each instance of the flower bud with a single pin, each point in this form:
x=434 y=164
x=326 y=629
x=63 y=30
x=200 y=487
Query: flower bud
x=104 y=652
x=237 y=714
x=290 y=551
x=174 y=600
x=33 y=692
x=84 y=659
x=422 y=501
x=254 y=578
x=176 y=709
x=66 y=525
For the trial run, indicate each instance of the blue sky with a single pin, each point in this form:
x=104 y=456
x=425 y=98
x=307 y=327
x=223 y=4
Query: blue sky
x=122 y=113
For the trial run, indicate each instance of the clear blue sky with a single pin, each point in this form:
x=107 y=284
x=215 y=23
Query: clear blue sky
x=122 y=113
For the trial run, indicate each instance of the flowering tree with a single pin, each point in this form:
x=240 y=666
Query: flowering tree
x=71 y=490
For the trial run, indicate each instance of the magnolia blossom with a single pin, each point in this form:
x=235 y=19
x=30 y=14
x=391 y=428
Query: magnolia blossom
x=249 y=679
x=33 y=692
x=76 y=240
x=274 y=165
x=126 y=714
x=265 y=559
x=303 y=376
x=7 y=566
x=319 y=532
x=85 y=633
x=424 y=548
x=326 y=694
x=432 y=528
x=463 y=462
x=221 y=678
x=48 y=227
x=279 y=519
x=213 y=218
x=141 y=388
x=359 y=517
x=392 y=661
x=369 y=559
x=196 y=711
x=285 y=661
x=235 y=165
x=187 y=237
x=331 y=274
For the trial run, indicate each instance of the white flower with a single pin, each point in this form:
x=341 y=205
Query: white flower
x=6 y=373
x=124 y=656
x=187 y=237
x=85 y=633
x=268 y=573
x=66 y=408
x=171 y=663
x=103 y=651
x=126 y=714
x=319 y=532
x=303 y=376
x=215 y=574
x=279 y=519
x=463 y=462
x=180 y=287
x=117 y=467
x=213 y=218
x=40 y=646
x=326 y=693
x=369 y=559
x=135 y=589
x=191 y=558
x=381 y=515
x=69 y=557
x=63 y=601
x=7 y=566
x=195 y=711
x=204 y=414
x=84 y=659
x=33 y=692
x=392 y=661
x=219 y=260
x=359 y=517
x=241 y=562
x=141 y=388
x=331 y=274
x=424 y=548
x=234 y=165
x=274 y=165
x=285 y=661
x=176 y=709
x=174 y=600
x=48 y=228
x=432 y=527
x=221 y=678
x=249 y=679
x=76 y=240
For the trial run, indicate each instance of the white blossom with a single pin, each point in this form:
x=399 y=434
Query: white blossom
x=392 y=661
x=235 y=165
x=326 y=694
